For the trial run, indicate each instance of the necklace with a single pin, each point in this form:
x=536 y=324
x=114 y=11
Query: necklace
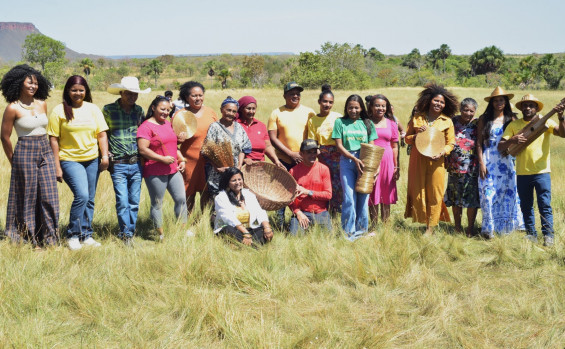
x=430 y=123
x=25 y=106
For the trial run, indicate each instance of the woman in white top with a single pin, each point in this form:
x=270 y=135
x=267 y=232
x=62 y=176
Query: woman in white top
x=238 y=213
x=33 y=201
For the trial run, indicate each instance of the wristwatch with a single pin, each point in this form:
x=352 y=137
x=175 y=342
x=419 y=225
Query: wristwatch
x=310 y=193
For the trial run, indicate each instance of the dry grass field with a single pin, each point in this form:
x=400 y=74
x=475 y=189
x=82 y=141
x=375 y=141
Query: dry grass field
x=397 y=289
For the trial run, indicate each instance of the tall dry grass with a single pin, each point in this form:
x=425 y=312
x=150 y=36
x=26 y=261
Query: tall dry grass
x=397 y=289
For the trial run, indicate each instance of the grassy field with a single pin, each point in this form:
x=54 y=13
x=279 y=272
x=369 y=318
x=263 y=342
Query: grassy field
x=397 y=289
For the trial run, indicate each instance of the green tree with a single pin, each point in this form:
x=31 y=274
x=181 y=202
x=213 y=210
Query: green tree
x=433 y=58
x=253 y=70
x=444 y=52
x=223 y=75
x=414 y=60
x=527 y=70
x=486 y=60
x=87 y=66
x=154 y=69
x=552 y=70
x=375 y=54
x=41 y=49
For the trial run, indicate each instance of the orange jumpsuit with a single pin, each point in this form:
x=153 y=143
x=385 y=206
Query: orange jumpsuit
x=426 y=177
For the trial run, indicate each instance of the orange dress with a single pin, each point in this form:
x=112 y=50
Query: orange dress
x=426 y=177
x=194 y=175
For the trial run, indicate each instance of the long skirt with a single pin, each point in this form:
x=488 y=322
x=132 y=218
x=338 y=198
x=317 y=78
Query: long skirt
x=33 y=200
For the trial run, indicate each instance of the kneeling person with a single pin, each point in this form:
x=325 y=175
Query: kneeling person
x=314 y=190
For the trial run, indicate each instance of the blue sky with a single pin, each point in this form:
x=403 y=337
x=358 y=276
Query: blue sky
x=219 y=26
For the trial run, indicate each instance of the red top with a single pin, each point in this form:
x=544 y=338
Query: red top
x=257 y=133
x=317 y=179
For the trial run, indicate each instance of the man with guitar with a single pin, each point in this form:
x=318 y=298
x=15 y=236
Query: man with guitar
x=532 y=162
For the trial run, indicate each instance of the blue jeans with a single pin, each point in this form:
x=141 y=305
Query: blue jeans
x=322 y=218
x=81 y=177
x=542 y=184
x=127 y=186
x=355 y=206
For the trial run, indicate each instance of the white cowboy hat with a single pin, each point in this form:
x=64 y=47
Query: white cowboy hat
x=129 y=83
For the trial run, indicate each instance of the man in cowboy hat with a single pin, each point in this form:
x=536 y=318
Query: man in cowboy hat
x=123 y=117
x=287 y=129
x=532 y=166
x=314 y=191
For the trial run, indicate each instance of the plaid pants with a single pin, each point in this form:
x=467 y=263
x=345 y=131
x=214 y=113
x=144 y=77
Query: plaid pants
x=33 y=201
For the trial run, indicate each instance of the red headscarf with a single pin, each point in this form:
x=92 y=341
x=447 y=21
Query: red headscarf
x=244 y=102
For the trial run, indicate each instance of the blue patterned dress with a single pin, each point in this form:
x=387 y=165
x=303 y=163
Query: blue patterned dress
x=500 y=204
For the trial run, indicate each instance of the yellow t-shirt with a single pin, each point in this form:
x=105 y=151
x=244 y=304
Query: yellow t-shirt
x=77 y=139
x=321 y=128
x=290 y=125
x=535 y=158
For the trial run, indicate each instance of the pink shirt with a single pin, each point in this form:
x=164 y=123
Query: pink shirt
x=163 y=141
x=257 y=134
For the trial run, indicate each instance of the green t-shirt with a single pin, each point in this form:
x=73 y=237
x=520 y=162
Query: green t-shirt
x=353 y=133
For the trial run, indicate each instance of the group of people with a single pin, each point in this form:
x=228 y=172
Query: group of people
x=320 y=150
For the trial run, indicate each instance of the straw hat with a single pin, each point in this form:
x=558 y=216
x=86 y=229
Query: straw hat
x=184 y=121
x=129 y=83
x=529 y=98
x=431 y=142
x=498 y=91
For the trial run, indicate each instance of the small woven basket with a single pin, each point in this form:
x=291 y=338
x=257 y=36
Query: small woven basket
x=371 y=155
x=274 y=187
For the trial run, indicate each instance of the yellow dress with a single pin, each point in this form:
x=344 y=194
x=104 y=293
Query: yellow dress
x=426 y=177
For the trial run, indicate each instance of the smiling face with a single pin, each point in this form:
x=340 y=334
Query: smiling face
x=378 y=108
x=354 y=110
x=196 y=98
x=228 y=112
x=309 y=156
x=326 y=104
x=248 y=112
x=236 y=183
x=498 y=103
x=77 y=93
x=437 y=104
x=292 y=98
x=467 y=113
x=529 y=109
x=161 y=111
x=29 y=87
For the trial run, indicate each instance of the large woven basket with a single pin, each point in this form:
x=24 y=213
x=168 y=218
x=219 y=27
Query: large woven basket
x=371 y=156
x=274 y=187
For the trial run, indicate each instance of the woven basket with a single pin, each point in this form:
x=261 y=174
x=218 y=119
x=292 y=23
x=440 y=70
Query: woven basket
x=371 y=155
x=274 y=187
x=220 y=154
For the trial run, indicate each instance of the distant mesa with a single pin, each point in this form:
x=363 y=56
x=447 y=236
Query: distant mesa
x=12 y=38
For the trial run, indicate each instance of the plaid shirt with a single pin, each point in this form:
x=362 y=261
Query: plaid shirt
x=122 y=130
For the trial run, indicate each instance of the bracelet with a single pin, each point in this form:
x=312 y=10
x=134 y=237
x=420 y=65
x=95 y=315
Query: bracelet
x=105 y=157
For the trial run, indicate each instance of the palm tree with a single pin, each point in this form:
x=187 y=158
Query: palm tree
x=443 y=53
x=486 y=60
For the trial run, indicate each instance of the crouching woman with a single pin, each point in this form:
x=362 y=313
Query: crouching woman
x=238 y=213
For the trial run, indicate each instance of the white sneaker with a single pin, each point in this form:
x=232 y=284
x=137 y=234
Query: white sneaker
x=74 y=244
x=91 y=242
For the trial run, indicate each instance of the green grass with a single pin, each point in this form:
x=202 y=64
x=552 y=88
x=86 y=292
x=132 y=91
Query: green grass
x=397 y=289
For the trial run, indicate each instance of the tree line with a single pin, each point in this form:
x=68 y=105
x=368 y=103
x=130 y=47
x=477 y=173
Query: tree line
x=343 y=65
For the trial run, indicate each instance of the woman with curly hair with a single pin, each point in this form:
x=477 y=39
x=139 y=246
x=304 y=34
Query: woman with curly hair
x=33 y=200
x=192 y=96
x=77 y=130
x=426 y=175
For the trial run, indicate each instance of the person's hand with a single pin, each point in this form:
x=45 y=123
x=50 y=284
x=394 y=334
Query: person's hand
x=181 y=137
x=248 y=161
x=301 y=191
x=302 y=220
x=222 y=169
x=422 y=128
x=168 y=160
x=360 y=165
x=559 y=109
x=280 y=165
x=59 y=174
x=396 y=174
x=182 y=166
x=104 y=163
x=438 y=156
x=268 y=233
x=296 y=157
x=483 y=171
x=247 y=239
x=518 y=139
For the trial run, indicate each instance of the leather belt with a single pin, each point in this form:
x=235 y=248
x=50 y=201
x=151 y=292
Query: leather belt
x=133 y=159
